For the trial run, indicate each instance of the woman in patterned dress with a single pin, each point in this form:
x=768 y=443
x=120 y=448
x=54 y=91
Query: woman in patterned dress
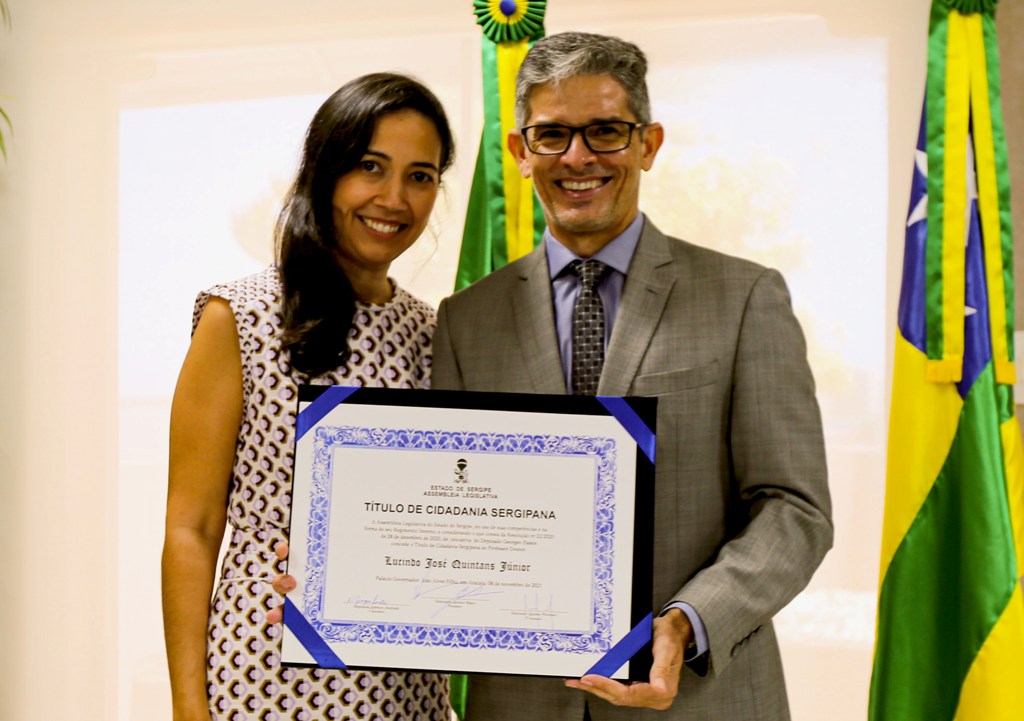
x=325 y=313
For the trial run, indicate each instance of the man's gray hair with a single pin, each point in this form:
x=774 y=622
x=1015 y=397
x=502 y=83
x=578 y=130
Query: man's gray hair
x=568 y=55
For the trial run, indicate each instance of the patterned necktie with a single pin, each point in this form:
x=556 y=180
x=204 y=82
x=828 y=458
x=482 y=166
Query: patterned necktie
x=587 y=328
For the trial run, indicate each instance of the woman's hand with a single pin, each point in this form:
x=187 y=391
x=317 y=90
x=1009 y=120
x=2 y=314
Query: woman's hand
x=282 y=583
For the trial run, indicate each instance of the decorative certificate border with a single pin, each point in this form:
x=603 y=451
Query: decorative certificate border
x=597 y=639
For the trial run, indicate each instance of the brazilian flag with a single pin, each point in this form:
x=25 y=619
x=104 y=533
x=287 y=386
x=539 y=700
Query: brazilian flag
x=503 y=222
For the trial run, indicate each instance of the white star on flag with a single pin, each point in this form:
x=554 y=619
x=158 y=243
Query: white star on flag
x=920 y=211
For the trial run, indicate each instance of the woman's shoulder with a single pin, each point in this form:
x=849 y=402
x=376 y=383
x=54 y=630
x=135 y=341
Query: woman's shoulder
x=259 y=292
x=264 y=285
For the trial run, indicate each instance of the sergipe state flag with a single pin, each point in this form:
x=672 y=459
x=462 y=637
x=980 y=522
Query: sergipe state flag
x=950 y=627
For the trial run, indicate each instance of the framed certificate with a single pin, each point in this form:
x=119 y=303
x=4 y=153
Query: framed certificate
x=471 y=532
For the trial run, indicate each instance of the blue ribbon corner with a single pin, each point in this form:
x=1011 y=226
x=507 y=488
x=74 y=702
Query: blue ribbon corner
x=633 y=424
x=319 y=408
x=295 y=622
x=625 y=649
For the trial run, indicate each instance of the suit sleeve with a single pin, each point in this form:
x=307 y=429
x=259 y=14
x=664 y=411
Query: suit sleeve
x=445 y=374
x=781 y=513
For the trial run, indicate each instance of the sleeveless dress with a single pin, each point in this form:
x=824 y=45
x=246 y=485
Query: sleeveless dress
x=390 y=348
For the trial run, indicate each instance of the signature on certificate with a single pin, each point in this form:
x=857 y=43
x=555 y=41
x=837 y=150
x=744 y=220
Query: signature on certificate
x=363 y=601
x=451 y=595
x=540 y=610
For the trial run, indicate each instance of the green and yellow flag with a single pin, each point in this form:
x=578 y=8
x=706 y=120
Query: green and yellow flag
x=503 y=222
x=950 y=634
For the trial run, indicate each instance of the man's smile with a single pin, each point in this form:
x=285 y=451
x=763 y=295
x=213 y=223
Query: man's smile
x=581 y=187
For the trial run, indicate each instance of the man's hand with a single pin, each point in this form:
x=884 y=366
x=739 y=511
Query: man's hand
x=671 y=633
x=282 y=583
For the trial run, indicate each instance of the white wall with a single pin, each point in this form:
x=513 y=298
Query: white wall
x=96 y=192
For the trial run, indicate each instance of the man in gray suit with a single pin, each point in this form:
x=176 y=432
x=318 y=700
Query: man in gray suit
x=742 y=510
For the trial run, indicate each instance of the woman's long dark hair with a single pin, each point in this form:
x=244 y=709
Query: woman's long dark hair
x=319 y=302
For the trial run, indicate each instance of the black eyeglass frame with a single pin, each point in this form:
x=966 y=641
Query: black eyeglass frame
x=580 y=129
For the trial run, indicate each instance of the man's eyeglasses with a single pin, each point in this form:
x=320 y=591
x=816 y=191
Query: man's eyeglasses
x=604 y=137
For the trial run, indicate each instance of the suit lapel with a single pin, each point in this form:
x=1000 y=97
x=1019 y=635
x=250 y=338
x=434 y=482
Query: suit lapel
x=647 y=288
x=535 y=324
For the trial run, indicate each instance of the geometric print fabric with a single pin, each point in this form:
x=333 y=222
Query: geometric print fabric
x=390 y=348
